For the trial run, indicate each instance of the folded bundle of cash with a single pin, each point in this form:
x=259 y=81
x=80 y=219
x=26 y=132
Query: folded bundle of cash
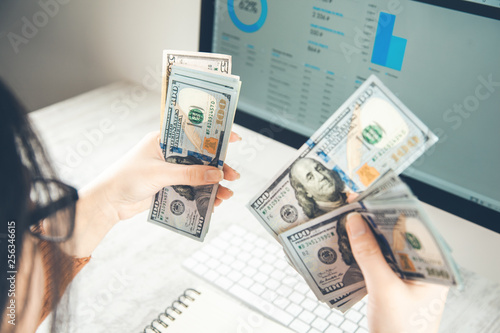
x=199 y=98
x=360 y=149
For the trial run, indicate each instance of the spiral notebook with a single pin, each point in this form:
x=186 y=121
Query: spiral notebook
x=204 y=309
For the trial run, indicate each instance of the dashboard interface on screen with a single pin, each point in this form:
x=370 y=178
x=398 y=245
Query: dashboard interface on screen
x=300 y=60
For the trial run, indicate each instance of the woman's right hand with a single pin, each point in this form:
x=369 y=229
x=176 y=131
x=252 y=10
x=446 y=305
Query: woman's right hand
x=394 y=305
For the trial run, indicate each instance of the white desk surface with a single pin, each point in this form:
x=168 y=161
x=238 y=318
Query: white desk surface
x=136 y=271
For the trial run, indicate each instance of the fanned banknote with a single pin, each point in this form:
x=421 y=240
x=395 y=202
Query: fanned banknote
x=196 y=128
x=210 y=61
x=315 y=248
x=371 y=133
x=320 y=250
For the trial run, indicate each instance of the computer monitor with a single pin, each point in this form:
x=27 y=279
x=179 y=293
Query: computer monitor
x=300 y=60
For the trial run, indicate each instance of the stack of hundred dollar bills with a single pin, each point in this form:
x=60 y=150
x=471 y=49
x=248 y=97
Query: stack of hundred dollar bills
x=351 y=164
x=199 y=98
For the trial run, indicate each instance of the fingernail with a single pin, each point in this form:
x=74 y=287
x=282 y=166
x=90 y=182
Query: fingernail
x=238 y=176
x=357 y=226
x=214 y=176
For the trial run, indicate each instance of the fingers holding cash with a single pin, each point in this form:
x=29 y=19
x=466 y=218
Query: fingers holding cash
x=199 y=98
x=351 y=164
x=367 y=252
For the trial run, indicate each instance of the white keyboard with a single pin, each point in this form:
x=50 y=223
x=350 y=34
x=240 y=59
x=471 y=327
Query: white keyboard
x=254 y=270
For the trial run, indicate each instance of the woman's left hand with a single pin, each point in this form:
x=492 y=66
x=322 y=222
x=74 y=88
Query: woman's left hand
x=128 y=186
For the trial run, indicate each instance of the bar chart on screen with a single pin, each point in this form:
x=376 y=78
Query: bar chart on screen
x=388 y=50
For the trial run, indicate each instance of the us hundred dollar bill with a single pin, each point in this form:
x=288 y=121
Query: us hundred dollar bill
x=210 y=61
x=371 y=133
x=410 y=241
x=319 y=249
x=195 y=130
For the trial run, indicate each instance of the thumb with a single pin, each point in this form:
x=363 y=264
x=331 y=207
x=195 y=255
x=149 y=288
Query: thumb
x=367 y=253
x=194 y=175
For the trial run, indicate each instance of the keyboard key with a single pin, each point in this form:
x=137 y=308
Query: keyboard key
x=322 y=311
x=244 y=256
x=261 y=243
x=307 y=316
x=234 y=276
x=284 y=290
x=301 y=287
x=223 y=269
x=320 y=324
x=290 y=281
x=250 y=237
x=281 y=302
x=294 y=309
x=260 y=277
x=309 y=294
x=269 y=295
x=333 y=329
x=335 y=318
x=246 y=282
x=299 y=326
x=296 y=297
x=248 y=247
x=309 y=304
x=272 y=284
x=211 y=276
x=227 y=259
x=363 y=322
x=266 y=268
x=362 y=330
x=313 y=330
x=349 y=326
x=200 y=269
x=281 y=264
x=353 y=316
x=255 y=262
x=357 y=306
x=257 y=288
x=224 y=282
x=238 y=265
x=270 y=259
x=257 y=302
x=259 y=253
x=213 y=263
x=363 y=309
x=273 y=248
x=278 y=275
x=249 y=271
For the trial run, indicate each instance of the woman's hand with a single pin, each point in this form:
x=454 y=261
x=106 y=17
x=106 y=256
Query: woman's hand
x=394 y=305
x=130 y=184
x=126 y=188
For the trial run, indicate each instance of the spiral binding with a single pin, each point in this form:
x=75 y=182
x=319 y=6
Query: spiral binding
x=166 y=314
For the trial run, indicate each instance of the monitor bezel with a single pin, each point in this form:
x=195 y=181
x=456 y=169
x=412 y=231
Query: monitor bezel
x=429 y=194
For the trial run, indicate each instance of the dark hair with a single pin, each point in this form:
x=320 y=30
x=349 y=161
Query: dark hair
x=307 y=203
x=23 y=161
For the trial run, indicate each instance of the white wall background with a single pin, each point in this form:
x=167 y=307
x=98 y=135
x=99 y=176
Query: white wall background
x=83 y=44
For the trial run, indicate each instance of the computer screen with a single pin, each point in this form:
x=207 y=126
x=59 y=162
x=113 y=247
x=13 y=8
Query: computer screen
x=300 y=60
